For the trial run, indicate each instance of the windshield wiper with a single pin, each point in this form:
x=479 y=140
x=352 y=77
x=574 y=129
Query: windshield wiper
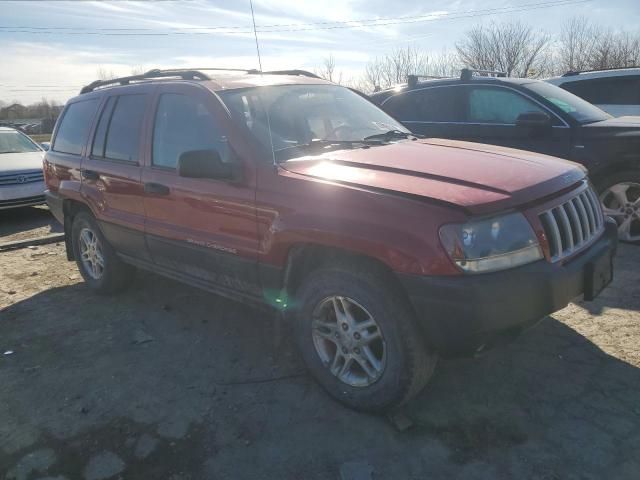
x=315 y=143
x=389 y=135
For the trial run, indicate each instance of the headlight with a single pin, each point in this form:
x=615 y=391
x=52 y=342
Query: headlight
x=491 y=244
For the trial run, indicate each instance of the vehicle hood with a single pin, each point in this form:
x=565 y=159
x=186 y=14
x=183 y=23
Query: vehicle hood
x=20 y=162
x=479 y=178
x=617 y=122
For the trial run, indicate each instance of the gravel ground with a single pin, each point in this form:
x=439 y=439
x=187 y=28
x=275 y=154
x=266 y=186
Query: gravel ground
x=168 y=382
x=27 y=222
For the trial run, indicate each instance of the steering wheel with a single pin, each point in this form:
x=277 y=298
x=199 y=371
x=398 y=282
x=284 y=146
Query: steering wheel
x=338 y=133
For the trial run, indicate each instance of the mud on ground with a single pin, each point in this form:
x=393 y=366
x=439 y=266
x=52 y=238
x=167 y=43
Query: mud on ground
x=169 y=382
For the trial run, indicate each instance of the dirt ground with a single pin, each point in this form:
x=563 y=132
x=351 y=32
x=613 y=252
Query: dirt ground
x=168 y=382
x=28 y=222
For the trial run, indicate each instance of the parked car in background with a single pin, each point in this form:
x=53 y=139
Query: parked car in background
x=616 y=91
x=382 y=250
x=21 y=178
x=530 y=115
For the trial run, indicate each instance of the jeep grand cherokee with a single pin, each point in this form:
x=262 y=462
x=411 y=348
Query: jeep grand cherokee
x=382 y=249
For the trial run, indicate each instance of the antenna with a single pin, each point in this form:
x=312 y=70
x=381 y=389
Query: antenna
x=255 y=34
x=266 y=109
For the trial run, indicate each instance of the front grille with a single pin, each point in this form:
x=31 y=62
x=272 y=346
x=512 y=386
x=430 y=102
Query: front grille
x=573 y=225
x=21 y=178
x=22 y=202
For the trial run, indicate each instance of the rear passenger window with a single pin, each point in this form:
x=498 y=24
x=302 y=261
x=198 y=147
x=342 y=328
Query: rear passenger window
x=435 y=104
x=184 y=124
x=123 y=130
x=498 y=105
x=74 y=128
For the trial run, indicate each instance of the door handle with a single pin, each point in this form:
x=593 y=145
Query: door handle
x=156 y=188
x=90 y=175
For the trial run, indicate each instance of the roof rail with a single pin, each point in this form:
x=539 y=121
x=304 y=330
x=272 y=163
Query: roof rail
x=301 y=73
x=185 y=74
x=572 y=73
x=412 y=80
x=467 y=73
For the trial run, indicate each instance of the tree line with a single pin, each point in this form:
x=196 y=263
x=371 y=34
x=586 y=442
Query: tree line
x=517 y=49
x=42 y=109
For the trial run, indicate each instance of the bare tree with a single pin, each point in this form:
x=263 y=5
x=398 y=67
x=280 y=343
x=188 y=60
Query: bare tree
x=576 y=45
x=615 y=50
x=582 y=45
x=104 y=74
x=513 y=48
x=394 y=68
x=328 y=71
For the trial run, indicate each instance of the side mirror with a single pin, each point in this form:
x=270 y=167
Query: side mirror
x=537 y=120
x=205 y=164
x=45 y=146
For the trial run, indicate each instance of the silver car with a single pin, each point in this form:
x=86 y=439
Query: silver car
x=21 y=177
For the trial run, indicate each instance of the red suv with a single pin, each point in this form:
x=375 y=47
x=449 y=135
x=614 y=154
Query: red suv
x=383 y=250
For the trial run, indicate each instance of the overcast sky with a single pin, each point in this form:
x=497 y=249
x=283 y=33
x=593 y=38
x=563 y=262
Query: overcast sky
x=52 y=48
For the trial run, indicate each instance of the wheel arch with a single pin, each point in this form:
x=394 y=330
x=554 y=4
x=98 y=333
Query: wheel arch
x=303 y=259
x=70 y=209
x=600 y=175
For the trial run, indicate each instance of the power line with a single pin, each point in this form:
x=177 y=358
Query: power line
x=279 y=25
x=230 y=30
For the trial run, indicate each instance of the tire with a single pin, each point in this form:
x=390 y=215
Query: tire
x=627 y=183
x=406 y=364
x=115 y=275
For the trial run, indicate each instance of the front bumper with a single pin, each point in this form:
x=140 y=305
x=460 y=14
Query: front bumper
x=464 y=314
x=14 y=196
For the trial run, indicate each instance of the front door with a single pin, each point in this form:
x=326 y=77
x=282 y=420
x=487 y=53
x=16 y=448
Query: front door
x=491 y=114
x=202 y=228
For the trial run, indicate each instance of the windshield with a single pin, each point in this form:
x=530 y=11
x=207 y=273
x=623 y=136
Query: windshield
x=15 y=142
x=303 y=116
x=579 y=109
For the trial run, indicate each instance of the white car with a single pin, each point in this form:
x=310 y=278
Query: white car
x=21 y=177
x=616 y=91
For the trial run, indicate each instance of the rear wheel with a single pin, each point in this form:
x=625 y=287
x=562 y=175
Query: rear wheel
x=620 y=197
x=360 y=341
x=97 y=261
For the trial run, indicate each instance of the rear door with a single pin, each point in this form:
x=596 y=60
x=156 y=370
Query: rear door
x=203 y=228
x=111 y=172
x=491 y=114
x=435 y=111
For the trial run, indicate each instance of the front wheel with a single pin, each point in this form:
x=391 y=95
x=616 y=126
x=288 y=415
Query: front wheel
x=620 y=197
x=360 y=340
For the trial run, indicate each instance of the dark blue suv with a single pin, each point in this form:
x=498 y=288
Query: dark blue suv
x=529 y=115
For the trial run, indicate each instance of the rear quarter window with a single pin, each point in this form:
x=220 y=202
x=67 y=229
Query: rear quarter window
x=74 y=127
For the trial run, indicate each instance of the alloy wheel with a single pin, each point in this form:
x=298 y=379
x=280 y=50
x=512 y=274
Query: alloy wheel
x=622 y=202
x=91 y=253
x=348 y=341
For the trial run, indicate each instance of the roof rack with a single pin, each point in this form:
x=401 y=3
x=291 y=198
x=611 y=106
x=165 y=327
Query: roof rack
x=186 y=74
x=468 y=73
x=412 y=80
x=572 y=73
x=301 y=73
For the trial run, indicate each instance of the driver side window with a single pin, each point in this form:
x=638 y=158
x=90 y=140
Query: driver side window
x=498 y=105
x=183 y=124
